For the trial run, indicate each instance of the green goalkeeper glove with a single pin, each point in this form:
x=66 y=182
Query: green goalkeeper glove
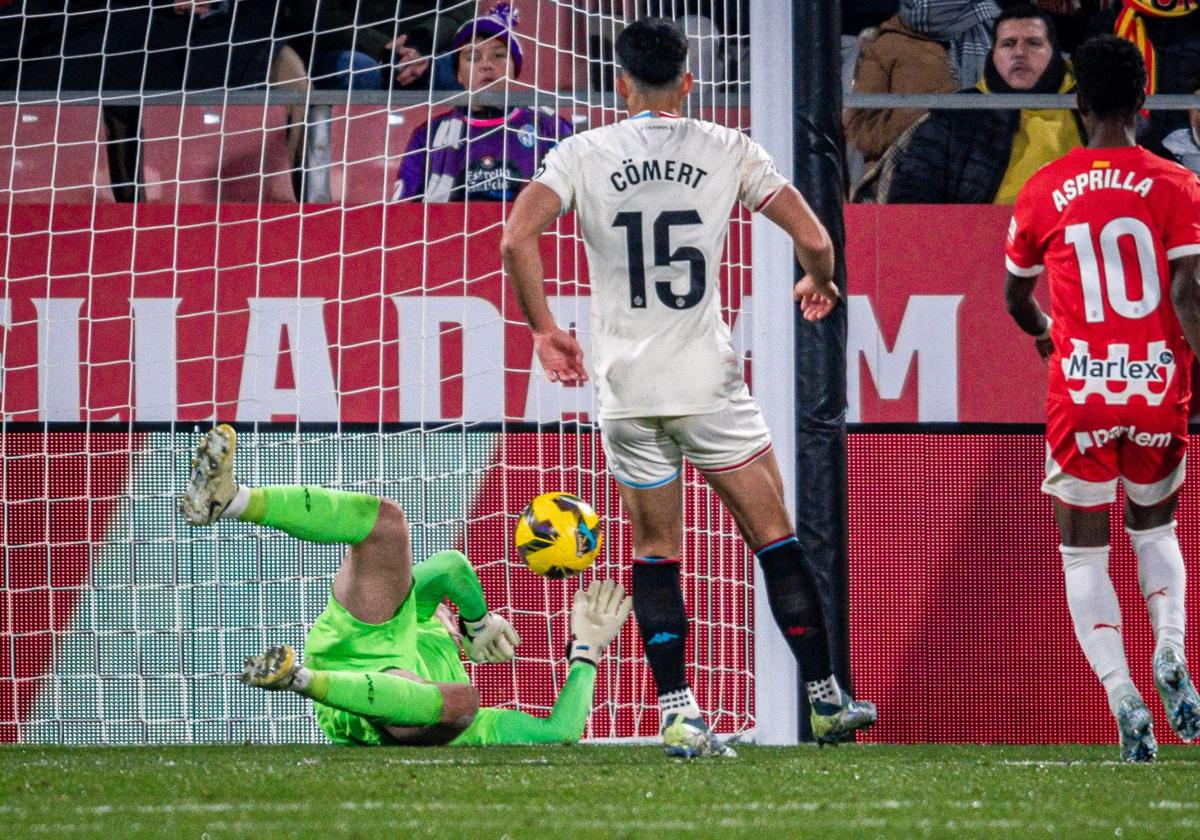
x=596 y=618
x=490 y=639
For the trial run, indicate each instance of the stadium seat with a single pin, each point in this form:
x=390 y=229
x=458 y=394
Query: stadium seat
x=366 y=145
x=211 y=153
x=52 y=153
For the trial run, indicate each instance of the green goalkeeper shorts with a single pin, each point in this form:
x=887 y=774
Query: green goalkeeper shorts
x=338 y=641
x=440 y=660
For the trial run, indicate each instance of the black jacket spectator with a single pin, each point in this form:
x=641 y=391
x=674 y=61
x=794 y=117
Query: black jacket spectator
x=369 y=26
x=960 y=157
x=137 y=45
x=73 y=44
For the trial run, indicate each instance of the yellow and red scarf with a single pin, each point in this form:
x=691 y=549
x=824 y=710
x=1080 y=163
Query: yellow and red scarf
x=1132 y=27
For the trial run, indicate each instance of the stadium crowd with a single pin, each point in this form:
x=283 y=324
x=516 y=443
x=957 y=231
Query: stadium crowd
x=994 y=47
x=899 y=155
x=51 y=49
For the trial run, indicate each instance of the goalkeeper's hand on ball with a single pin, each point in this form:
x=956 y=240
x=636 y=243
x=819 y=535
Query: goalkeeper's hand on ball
x=490 y=639
x=596 y=618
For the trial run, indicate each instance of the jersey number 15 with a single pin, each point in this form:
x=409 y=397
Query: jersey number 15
x=663 y=255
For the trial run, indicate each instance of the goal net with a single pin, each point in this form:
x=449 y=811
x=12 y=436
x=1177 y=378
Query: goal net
x=237 y=253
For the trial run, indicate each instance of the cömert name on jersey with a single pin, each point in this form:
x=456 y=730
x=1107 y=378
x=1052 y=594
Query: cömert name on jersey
x=633 y=172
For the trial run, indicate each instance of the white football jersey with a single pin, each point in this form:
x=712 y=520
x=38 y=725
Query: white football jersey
x=653 y=195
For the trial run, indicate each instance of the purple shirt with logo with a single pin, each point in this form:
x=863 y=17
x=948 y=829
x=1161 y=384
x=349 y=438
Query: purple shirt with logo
x=455 y=156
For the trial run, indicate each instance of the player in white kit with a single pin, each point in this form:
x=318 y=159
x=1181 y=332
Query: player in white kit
x=653 y=195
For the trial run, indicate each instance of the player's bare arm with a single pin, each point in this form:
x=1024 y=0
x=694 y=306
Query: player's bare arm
x=816 y=292
x=1185 y=294
x=460 y=702
x=533 y=212
x=1024 y=309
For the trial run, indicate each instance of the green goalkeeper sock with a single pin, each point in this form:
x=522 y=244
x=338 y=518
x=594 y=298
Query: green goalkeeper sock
x=313 y=514
x=383 y=698
x=565 y=724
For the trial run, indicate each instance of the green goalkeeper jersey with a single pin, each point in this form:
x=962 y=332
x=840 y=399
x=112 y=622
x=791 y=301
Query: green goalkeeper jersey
x=412 y=640
x=345 y=652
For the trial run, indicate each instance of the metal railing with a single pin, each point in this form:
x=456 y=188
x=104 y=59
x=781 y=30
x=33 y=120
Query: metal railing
x=974 y=101
x=530 y=97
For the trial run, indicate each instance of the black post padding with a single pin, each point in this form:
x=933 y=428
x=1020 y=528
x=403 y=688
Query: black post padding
x=820 y=361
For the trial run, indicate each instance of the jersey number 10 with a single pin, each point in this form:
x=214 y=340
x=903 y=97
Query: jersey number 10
x=663 y=255
x=1112 y=279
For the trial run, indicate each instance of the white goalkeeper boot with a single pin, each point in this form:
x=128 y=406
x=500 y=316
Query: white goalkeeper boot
x=211 y=486
x=686 y=737
x=273 y=669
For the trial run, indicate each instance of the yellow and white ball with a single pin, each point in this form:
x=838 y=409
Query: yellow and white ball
x=558 y=535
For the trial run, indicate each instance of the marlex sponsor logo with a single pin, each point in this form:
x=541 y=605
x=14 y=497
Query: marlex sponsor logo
x=1086 y=367
x=1147 y=378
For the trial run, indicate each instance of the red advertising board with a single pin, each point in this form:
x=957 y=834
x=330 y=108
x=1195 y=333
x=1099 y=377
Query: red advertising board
x=386 y=313
x=929 y=337
x=256 y=314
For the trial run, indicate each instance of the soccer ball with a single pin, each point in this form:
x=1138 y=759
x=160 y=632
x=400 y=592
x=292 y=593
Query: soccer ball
x=558 y=535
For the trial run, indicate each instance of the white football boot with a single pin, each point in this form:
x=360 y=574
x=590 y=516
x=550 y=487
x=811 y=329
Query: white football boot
x=1136 y=729
x=835 y=723
x=686 y=737
x=273 y=669
x=211 y=486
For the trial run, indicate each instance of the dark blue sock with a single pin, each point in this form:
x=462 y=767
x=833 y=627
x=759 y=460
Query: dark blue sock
x=796 y=605
x=662 y=619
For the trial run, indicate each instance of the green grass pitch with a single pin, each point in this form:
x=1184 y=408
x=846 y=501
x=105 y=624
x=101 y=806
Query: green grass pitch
x=569 y=793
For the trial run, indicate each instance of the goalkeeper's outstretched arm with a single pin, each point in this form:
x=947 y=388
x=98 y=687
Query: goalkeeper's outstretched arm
x=596 y=618
x=488 y=637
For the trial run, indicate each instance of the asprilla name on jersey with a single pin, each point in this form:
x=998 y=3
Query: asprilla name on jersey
x=1100 y=179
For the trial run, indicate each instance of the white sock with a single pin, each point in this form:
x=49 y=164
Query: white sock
x=677 y=701
x=238 y=505
x=824 y=691
x=1117 y=685
x=1097 y=617
x=300 y=680
x=1163 y=580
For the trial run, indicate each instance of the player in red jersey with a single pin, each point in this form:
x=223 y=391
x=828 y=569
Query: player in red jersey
x=1117 y=232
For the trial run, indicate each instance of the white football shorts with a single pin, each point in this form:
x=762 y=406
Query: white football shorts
x=646 y=452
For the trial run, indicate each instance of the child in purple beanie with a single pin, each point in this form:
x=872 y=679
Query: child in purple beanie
x=480 y=152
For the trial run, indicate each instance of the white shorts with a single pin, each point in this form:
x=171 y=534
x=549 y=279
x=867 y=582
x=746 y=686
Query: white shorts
x=1080 y=493
x=646 y=452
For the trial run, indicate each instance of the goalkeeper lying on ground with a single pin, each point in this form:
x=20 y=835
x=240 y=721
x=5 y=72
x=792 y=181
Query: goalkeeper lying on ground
x=382 y=662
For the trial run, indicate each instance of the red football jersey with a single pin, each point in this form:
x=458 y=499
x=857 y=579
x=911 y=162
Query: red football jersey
x=1104 y=223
